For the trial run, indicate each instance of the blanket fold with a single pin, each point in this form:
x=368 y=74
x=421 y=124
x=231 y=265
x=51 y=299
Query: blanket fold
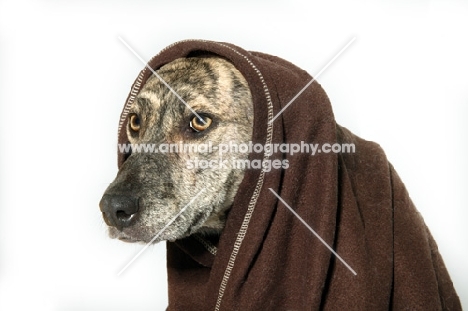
x=266 y=258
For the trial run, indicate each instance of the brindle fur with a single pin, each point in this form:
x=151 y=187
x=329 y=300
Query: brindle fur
x=162 y=182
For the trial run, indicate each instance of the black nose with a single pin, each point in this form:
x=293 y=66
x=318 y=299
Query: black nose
x=118 y=210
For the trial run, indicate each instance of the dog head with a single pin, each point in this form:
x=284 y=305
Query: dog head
x=163 y=191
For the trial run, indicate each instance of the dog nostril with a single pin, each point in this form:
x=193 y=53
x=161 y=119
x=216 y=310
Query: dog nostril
x=122 y=215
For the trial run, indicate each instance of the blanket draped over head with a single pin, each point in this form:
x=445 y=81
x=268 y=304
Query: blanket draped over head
x=266 y=258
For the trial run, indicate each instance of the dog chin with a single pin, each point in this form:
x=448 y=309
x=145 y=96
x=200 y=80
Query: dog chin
x=114 y=233
x=124 y=236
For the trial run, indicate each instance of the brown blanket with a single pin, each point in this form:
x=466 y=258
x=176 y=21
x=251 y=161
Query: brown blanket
x=266 y=259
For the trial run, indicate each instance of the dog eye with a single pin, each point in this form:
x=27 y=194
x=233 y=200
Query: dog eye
x=134 y=122
x=198 y=125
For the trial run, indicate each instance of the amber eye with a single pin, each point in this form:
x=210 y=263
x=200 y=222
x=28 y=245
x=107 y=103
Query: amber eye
x=200 y=124
x=134 y=122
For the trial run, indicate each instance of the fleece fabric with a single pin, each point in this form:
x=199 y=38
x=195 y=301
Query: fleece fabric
x=266 y=258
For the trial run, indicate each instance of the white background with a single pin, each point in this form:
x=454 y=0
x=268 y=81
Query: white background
x=64 y=76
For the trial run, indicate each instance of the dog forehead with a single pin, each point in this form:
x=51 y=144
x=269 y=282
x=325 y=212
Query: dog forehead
x=148 y=99
x=210 y=85
x=180 y=77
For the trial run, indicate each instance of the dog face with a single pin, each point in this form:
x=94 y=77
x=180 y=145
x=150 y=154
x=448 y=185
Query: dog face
x=151 y=188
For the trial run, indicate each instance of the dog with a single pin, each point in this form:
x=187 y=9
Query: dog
x=152 y=187
x=232 y=245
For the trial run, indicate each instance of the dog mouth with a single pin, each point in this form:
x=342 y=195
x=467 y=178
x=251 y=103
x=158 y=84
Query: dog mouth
x=137 y=235
x=176 y=229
